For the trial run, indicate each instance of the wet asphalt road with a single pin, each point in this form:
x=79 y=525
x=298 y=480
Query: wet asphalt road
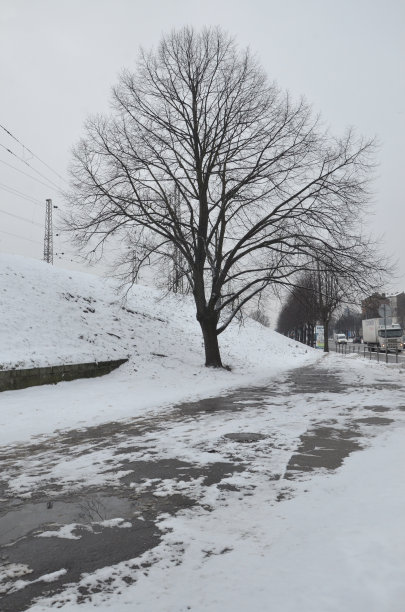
x=323 y=446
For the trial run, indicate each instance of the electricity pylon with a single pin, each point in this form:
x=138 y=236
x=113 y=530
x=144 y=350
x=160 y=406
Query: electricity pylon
x=48 y=239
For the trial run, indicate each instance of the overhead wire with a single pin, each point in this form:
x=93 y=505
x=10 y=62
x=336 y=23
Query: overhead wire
x=5 y=212
x=54 y=185
x=20 y=194
x=48 y=184
x=18 y=236
x=34 y=178
x=32 y=153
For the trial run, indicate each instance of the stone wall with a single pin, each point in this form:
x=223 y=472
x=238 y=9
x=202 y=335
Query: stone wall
x=20 y=379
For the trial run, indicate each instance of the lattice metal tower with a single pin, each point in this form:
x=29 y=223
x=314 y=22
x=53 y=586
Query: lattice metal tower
x=48 y=239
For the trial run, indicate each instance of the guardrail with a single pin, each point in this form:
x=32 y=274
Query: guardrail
x=366 y=352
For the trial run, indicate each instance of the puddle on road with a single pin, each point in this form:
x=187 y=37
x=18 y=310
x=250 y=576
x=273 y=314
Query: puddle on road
x=102 y=545
x=92 y=551
x=23 y=520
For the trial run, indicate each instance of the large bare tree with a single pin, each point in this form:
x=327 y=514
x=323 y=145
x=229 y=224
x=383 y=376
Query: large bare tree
x=205 y=163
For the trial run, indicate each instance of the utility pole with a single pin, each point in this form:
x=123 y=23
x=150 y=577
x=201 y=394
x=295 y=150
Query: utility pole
x=48 y=239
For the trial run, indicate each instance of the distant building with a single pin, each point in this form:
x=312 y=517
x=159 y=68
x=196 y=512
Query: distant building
x=370 y=306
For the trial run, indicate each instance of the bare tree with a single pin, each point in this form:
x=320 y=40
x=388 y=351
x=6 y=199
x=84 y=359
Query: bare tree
x=261 y=186
x=330 y=291
x=260 y=316
x=299 y=313
x=350 y=321
x=320 y=291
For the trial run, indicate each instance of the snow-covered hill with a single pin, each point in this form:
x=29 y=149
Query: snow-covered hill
x=52 y=316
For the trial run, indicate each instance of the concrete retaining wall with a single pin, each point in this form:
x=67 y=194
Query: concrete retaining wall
x=20 y=379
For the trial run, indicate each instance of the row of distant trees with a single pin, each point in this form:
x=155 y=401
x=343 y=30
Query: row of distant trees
x=313 y=301
x=317 y=298
x=205 y=166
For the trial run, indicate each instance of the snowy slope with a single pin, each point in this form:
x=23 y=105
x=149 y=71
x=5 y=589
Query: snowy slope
x=52 y=316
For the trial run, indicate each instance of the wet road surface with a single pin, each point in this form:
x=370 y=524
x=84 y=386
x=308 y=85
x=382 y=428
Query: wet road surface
x=117 y=520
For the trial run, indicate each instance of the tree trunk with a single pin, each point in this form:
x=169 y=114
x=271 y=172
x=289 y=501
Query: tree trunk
x=209 y=329
x=326 y=336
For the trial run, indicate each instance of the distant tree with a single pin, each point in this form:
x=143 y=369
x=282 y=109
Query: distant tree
x=371 y=305
x=349 y=320
x=298 y=316
x=258 y=310
x=321 y=291
x=259 y=316
x=262 y=187
x=330 y=292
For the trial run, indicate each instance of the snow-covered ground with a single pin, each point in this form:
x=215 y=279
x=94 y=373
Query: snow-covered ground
x=326 y=541
x=338 y=544
x=52 y=316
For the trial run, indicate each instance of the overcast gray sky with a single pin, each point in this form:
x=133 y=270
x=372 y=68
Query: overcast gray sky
x=60 y=58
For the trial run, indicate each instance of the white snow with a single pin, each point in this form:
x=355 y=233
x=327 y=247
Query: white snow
x=21 y=584
x=8 y=571
x=66 y=531
x=335 y=542
x=338 y=544
x=52 y=316
x=115 y=522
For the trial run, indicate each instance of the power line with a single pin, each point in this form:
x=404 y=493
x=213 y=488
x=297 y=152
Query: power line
x=54 y=185
x=33 y=154
x=19 y=217
x=17 y=236
x=34 y=178
x=20 y=194
x=29 y=166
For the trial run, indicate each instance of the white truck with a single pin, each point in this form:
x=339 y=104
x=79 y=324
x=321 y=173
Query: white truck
x=340 y=338
x=375 y=335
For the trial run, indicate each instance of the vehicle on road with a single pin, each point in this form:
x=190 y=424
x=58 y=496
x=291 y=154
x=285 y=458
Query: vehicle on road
x=377 y=335
x=340 y=338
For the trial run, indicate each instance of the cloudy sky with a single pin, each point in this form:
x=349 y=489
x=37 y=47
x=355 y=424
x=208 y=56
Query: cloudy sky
x=60 y=58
